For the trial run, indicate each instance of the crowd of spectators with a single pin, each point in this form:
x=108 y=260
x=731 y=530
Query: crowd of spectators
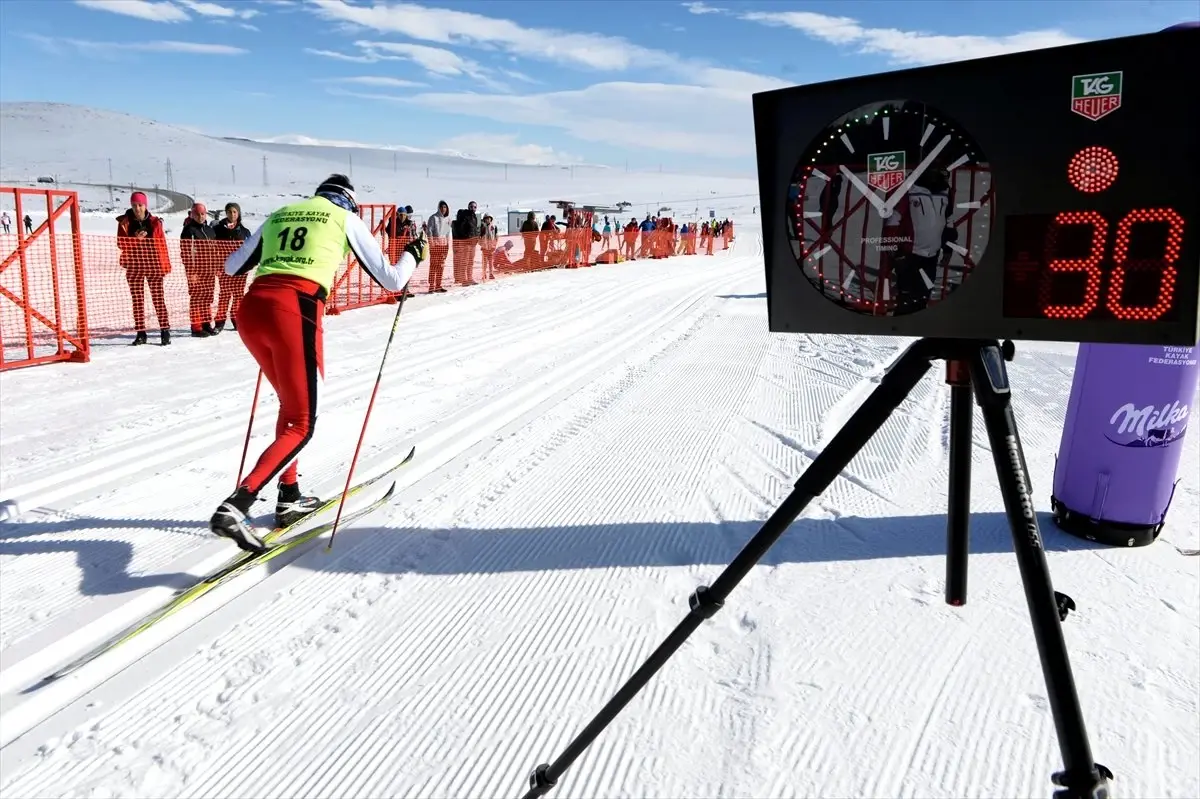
x=469 y=240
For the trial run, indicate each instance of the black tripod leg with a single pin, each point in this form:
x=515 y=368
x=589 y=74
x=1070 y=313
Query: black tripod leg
x=958 y=516
x=1082 y=777
x=905 y=373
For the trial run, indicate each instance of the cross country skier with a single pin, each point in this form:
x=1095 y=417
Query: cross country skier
x=297 y=252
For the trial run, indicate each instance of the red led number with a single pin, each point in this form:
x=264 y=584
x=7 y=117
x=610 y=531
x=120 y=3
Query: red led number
x=1166 y=286
x=1091 y=264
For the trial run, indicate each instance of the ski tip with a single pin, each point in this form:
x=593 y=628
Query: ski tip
x=42 y=683
x=411 y=454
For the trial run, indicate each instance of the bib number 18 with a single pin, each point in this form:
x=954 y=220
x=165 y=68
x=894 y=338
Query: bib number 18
x=292 y=239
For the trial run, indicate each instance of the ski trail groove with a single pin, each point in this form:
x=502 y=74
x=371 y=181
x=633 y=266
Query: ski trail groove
x=468 y=418
x=686 y=306
x=62 y=483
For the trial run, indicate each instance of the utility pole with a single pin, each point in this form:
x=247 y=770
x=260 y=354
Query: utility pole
x=233 y=174
x=170 y=177
x=264 y=170
x=110 y=181
x=393 y=160
x=350 y=157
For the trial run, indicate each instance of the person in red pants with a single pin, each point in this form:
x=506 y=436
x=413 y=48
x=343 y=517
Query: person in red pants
x=296 y=254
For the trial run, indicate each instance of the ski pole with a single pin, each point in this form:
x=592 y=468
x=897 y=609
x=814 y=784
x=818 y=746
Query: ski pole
x=249 y=426
x=367 y=417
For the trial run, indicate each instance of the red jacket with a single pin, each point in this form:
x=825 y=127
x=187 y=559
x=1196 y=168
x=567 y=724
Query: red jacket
x=142 y=252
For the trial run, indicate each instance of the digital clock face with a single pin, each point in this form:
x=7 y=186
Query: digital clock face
x=1051 y=194
x=888 y=208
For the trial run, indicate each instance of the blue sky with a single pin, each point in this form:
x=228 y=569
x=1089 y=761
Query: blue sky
x=621 y=81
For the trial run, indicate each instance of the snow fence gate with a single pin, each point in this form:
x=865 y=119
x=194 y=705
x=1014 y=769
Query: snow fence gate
x=43 y=307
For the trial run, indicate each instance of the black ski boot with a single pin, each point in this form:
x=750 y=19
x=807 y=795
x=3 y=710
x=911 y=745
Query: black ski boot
x=139 y=339
x=292 y=505
x=230 y=522
x=165 y=336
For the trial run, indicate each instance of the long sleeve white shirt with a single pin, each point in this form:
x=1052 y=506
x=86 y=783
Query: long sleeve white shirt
x=368 y=253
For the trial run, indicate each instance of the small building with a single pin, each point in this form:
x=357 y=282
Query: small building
x=516 y=218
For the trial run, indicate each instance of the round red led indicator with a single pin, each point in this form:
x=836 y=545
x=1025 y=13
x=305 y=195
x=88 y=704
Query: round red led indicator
x=1093 y=169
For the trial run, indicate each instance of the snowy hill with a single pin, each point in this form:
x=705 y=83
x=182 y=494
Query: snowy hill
x=76 y=144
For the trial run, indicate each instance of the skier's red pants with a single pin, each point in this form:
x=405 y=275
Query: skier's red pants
x=279 y=321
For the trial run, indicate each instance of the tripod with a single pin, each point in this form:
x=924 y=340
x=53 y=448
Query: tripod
x=970 y=364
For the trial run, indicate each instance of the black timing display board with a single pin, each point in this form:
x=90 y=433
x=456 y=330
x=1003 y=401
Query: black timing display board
x=1045 y=195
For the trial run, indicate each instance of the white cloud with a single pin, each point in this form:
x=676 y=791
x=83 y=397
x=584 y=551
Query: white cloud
x=102 y=49
x=436 y=61
x=142 y=9
x=703 y=8
x=581 y=50
x=206 y=9
x=708 y=113
x=521 y=76
x=689 y=119
x=376 y=80
x=383 y=98
x=906 y=47
x=354 y=59
x=506 y=149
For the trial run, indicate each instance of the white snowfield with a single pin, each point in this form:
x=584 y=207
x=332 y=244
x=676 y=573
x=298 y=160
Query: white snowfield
x=78 y=145
x=591 y=446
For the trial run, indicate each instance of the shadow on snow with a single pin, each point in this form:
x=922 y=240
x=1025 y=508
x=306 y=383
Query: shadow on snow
x=104 y=564
x=633 y=545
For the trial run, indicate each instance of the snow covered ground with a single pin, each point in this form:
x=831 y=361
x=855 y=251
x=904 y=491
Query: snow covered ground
x=592 y=445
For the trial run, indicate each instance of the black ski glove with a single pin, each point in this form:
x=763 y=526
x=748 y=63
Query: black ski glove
x=418 y=247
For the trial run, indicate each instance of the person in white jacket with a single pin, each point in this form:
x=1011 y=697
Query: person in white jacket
x=438 y=228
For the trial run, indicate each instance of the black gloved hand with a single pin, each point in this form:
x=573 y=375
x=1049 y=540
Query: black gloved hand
x=418 y=247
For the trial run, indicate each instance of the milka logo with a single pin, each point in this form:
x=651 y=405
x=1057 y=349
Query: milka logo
x=1149 y=426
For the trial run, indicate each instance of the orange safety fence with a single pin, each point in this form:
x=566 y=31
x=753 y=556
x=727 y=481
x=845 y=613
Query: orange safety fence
x=43 y=310
x=62 y=291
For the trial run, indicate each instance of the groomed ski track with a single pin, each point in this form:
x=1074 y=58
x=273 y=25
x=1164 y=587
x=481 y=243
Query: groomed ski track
x=591 y=446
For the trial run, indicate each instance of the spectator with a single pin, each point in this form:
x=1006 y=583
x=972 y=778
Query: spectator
x=29 y=223
x=438 y=229
x=230 y=232
x=500 y=257
x=488 y=236
x=399 y=231
x=547 y=238
x=198 y=252
x=648 y=227
x=466 y=239
x=143 y=247
x=529 y=234
x=5 y=221
x=631 y=234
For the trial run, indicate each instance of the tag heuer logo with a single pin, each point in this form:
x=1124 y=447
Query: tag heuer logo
x=885 y=170
x=1096 y=96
